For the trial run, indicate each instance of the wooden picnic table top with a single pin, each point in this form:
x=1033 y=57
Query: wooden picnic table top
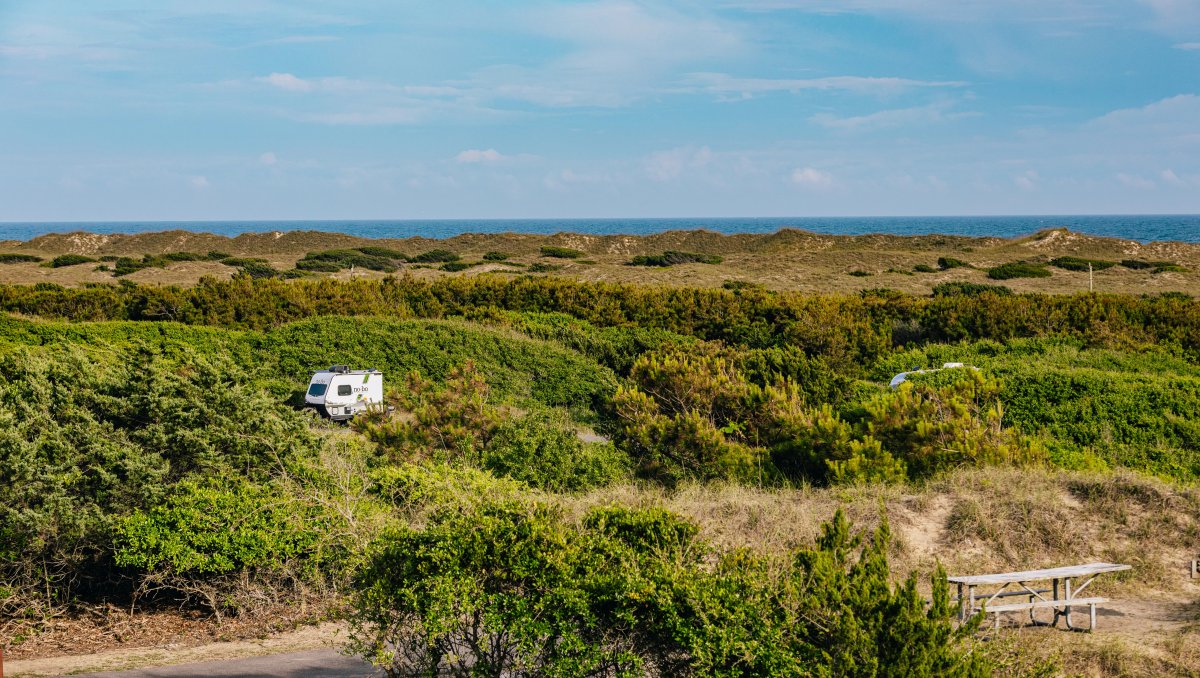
x=1034 y=575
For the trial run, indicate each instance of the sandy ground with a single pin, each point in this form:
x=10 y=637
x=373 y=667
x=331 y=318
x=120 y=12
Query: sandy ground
x=327 y=636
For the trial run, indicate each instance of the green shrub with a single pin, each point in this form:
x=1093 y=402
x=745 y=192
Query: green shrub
x=435 y=256
x=382 y=252
x=495 y=256
x=947 y=263
x=9 y=258
x=1169 y=268
x=561 y=252
x=217 y=255
x=1141 y=265
x=859 y=273
x=924 y=268
x=543 y=450
x=69 y=260
x=344 y=259
x=456 y=266
x=215 y=526
x=672 y=257
x=952 y=289
x=539 y=267
x=513 y=589
x=1081 y=264
x=1018 y=269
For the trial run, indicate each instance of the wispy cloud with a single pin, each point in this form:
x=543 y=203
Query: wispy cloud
x=476 y=156
x=724 y=84
x=897 y=117
x=1188 y=46
x=812 y=178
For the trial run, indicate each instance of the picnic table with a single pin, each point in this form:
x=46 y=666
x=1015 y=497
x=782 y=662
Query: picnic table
x=1063 y=592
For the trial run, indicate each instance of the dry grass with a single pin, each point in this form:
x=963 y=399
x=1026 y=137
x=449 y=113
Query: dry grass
x=786 y=260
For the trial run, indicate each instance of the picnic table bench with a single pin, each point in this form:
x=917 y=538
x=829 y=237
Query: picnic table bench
x=1063 y=596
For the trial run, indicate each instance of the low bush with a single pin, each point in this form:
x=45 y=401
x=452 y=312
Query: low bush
x=561 y=252
x=954 y=289
x=382 y=252
x=9 y=258
x=496 y=256
x=69 y=260
x=344 y=259
x=924 y=268
x=456 y=266
x=1018 y=269
x=672 y=257
x=512 y=588
x=1081 y=264
x=859 y=273
x=1169 y=268
x=947 y=263
x=434 y=257
x=539 y=267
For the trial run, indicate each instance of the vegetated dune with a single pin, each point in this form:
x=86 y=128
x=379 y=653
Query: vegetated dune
x=788 y=259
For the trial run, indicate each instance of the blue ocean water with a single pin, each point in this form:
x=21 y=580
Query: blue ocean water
x=1183 y=227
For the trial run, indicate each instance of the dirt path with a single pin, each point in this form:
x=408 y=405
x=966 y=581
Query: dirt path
x=324 y=637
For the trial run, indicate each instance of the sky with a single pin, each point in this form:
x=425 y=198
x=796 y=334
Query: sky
x=397 y=109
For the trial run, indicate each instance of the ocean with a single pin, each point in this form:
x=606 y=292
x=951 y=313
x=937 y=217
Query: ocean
x=1183 y=227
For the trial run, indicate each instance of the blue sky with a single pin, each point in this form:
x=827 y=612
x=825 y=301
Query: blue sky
x=257 y=109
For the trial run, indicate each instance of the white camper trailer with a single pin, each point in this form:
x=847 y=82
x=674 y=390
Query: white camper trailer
x=340 y=392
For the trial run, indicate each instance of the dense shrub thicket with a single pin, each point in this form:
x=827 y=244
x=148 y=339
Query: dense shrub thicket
x=164 y=461
x=511 y=588
x=849 y=330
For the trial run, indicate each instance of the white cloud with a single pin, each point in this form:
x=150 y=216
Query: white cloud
x=1135 y=181
x=725 y=84
x=475 y=156
x=268 y=158
x=899 y=117
x=199 y=183
x=287 y=81
x=669 y=165
x=1189 y=46
x=1027 y=181
x=1169 y=176
x=812 y=178
x=379 y=116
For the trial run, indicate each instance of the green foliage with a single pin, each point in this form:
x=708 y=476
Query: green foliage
x=1169 y=268
x=382 y=252
x=924 y=268
x=10 y=258
x=561 y=252
x=456 y=266
x=496 y=256
x=458 y=423
x=1081 y=264
x=543 y=450
x=859 y=273
x=1018 y=269
x=539 y=267
x=338 y=260
x=951 y=289
x=1152 y=266
x=216 y=526
x=69 y=260
x=737 y=285
x=84 y=441
x=513 y=589
x=672 y=257
x=947 y=263
x=434 y=256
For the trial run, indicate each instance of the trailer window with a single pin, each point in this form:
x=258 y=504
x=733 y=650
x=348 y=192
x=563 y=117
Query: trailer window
x=344 y=389
x=317 y=390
